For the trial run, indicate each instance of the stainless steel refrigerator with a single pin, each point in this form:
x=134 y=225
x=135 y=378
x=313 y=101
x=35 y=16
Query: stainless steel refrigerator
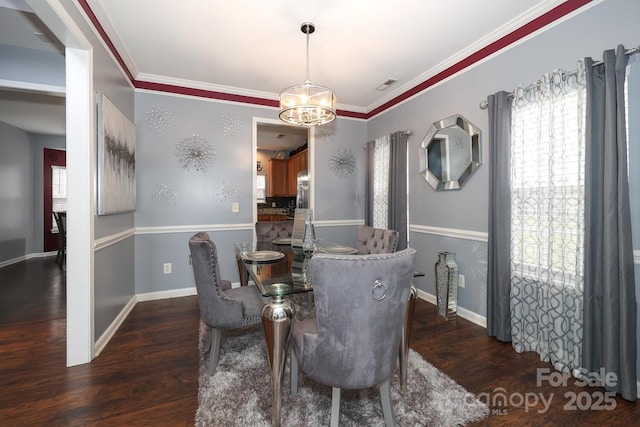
x=302 y=199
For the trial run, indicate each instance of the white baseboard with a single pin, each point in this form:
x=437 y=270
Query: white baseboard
x=104 y=339
x=26 y=257
x=462 y=312
x=174 y=293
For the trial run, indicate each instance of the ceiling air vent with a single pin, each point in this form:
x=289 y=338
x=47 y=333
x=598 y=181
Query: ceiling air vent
x=386 y=84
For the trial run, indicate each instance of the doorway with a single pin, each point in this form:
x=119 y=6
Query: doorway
x=280 y=151
x=80 y=130
x=55 y=193
x=272 y=139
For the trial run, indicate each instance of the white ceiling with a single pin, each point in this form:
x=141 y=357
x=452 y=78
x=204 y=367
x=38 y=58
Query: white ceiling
x=256 y=48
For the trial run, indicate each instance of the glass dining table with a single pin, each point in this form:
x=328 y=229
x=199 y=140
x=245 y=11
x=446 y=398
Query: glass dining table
x=278 y=269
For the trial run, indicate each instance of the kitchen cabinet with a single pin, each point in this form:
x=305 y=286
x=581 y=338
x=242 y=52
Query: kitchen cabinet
x=272 y=217
x=278 y=178
x=283 y=175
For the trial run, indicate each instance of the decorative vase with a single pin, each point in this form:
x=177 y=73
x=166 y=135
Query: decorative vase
x=309 y=239
x=447 y=285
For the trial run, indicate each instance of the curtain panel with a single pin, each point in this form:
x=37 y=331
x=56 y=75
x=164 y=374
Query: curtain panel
x=499 y=244
x=386 y=185
x=609 y=341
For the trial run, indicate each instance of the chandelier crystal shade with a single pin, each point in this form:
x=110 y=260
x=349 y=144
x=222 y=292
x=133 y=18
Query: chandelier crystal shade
x=307 y=104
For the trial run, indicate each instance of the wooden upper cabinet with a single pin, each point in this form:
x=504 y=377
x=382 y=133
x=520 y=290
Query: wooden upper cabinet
x=278 y=178
x=283 y=175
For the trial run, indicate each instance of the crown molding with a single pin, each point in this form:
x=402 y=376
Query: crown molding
x=154 y=78
x=539 y=18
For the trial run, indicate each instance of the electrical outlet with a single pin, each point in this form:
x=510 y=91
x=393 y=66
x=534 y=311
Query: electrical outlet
x=166 y=267
x=235 y=207
x=461 y=280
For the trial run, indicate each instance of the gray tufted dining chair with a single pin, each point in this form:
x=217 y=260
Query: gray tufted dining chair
x=266 y=231
x=360 y=309
x=370 y=240
x=220 y=308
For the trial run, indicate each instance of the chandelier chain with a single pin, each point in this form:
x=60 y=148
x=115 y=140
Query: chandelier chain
x=307 y=30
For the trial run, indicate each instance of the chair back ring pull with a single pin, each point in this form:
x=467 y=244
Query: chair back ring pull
x=378 y=291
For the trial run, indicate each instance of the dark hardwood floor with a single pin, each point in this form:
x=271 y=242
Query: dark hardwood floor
x=147 y=374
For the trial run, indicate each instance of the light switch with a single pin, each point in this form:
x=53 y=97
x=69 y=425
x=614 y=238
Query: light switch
x=235 y=207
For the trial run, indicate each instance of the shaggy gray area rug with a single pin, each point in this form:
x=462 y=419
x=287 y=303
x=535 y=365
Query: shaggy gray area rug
x=239 y=394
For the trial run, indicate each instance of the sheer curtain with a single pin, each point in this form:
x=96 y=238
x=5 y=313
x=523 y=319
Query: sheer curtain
x=381 y=183
x=386 y=185
x=547 y=224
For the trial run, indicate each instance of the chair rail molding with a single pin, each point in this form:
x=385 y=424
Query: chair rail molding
x=477 y=236
x=338 y=222
x=167 y=229
x=107 y=241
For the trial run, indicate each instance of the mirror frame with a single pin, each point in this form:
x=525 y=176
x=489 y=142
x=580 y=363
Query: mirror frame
x=455 y=121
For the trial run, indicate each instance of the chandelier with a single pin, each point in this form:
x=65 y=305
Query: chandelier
x=307 y=104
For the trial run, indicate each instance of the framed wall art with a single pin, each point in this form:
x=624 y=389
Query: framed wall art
x=116 y=159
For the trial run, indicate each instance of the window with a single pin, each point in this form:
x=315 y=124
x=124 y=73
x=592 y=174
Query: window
x=261 y=188
x=58 y=192
x=547 y=183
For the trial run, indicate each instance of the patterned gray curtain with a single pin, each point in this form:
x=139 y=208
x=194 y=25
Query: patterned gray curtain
x=609 y=336
x=369 y=187
x=547 y=223
x=386 y=166
x=499 y=245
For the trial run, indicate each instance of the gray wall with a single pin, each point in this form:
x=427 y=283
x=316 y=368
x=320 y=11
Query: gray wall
x=602 y=27
x=21 y=202
x=164 y=227
x=31 y=65
x=16 y=203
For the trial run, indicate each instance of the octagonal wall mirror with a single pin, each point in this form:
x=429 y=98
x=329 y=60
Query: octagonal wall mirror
x=450 y=153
